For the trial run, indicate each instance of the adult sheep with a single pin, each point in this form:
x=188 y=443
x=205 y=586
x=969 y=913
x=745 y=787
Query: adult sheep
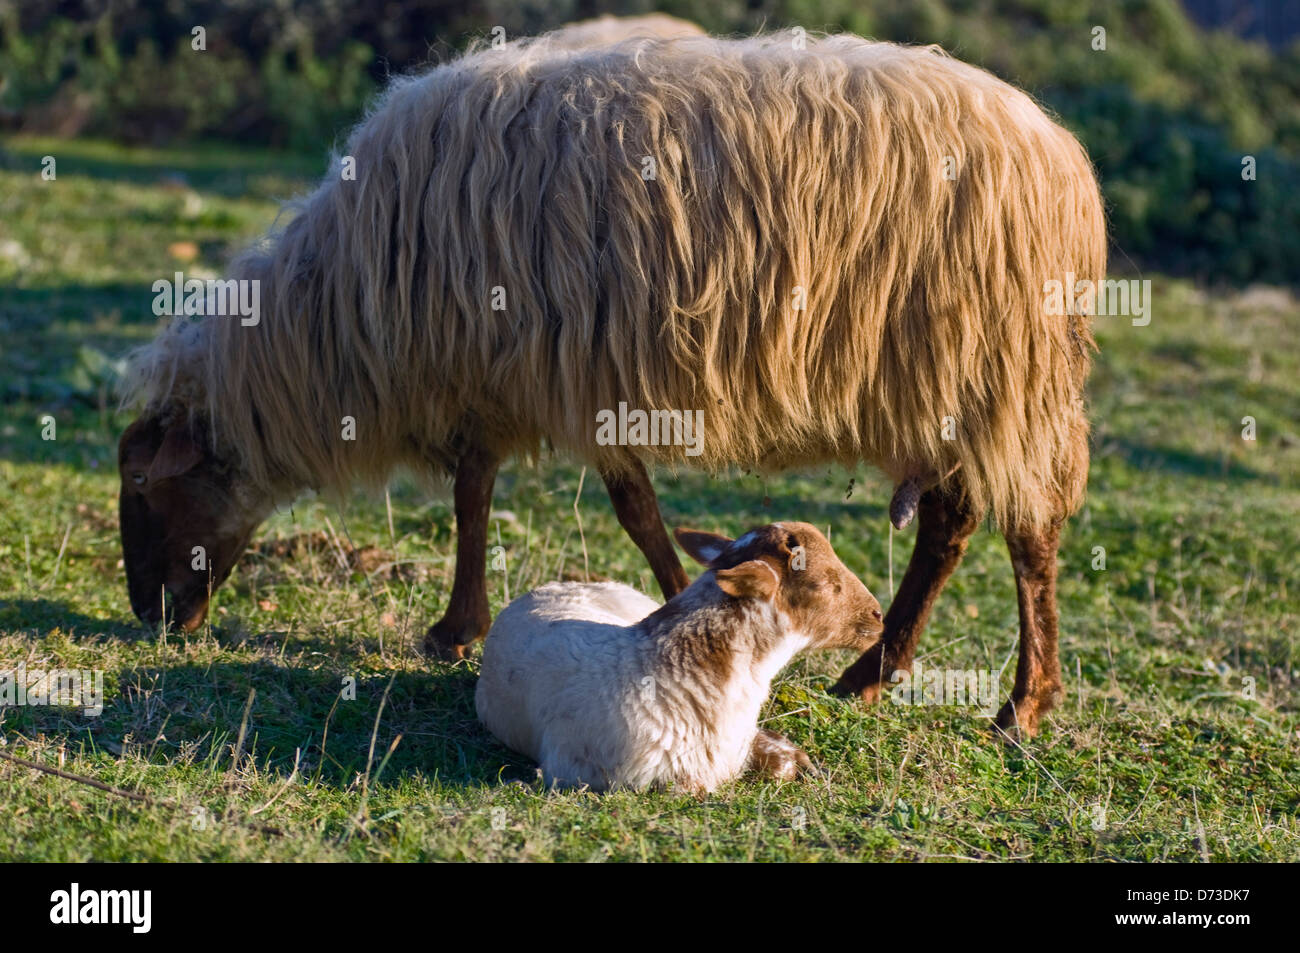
x=837 y=251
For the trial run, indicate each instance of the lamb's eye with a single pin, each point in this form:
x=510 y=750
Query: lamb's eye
x=137 y=479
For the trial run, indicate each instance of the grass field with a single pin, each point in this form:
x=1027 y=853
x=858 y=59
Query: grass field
x=1179 y=738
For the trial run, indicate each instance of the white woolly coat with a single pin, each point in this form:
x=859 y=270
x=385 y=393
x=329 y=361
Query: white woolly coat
x=578 y=678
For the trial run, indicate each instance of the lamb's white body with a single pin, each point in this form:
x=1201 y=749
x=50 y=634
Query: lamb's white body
x=577 y=677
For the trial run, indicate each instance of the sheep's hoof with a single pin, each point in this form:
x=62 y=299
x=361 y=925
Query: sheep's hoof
x=450 y=641
x=1016 y=723
x=871 y=694
x=867 y=694
x=862 y=679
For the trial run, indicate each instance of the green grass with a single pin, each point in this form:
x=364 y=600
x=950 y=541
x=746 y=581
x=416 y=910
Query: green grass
x=1155 y=754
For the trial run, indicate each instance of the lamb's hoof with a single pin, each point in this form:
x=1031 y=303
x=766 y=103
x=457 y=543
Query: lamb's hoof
x=785 y=771
x=451 y=642
x=790 y=768
x=777 y=757
x=799 y=764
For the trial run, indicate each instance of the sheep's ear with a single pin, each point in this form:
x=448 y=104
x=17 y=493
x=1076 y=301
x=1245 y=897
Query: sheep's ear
x=135 y=448
x=178 y=454
x=703 y=547
x=755 y=579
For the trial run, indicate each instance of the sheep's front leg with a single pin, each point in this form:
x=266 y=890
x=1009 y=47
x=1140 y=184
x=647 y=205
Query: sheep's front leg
x=637 y=509
x=945 y=526
x=777 y=756
x=467 y=617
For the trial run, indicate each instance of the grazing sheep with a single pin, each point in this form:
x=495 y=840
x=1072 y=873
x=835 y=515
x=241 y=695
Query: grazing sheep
x=604 y=687
x=833 y=252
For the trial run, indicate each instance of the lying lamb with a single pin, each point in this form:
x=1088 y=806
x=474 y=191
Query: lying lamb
x=606 y=688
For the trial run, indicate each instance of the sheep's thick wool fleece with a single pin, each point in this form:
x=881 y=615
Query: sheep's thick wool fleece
x=836 y=252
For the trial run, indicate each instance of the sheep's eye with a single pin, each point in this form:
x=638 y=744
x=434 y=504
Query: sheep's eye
x=137 y=479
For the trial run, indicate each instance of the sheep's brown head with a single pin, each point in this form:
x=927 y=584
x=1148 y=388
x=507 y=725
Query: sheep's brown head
x=186 y=517
x=793 y=566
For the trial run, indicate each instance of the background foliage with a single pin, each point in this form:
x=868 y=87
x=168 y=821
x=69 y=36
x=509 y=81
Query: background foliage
x=1167 y=110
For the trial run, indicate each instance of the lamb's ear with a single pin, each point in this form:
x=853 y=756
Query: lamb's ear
x=179 y=453
x=755 y=579
x=703 y=547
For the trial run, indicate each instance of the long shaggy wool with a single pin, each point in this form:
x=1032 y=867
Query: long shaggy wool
x=761 y=232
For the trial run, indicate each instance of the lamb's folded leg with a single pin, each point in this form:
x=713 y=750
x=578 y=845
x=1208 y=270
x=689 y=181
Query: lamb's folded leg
x=777 y=757
x=468 y=617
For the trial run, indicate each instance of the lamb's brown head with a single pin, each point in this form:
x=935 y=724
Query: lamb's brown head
x=793 y=566
x=185 y=515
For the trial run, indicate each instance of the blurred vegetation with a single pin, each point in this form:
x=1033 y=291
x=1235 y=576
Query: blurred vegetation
x=1168 y=111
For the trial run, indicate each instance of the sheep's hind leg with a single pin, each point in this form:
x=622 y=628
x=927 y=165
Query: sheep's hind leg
x=637 y=509
x=777 y=756
x=467 y=617
x=1038 y=674
x=943 y=529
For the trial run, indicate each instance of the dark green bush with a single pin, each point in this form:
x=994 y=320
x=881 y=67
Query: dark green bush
x=1167 y=110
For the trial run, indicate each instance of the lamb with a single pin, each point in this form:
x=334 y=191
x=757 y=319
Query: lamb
x=604 y=687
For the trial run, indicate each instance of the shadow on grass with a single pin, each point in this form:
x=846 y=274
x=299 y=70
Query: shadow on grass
x=192 y=713
x=328 y=713
x=45 y=615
